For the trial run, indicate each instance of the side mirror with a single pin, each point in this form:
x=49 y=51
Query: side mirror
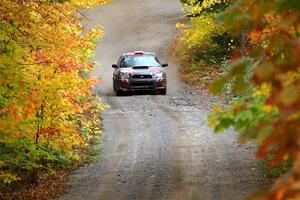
x=114 y=66
x=165 y=65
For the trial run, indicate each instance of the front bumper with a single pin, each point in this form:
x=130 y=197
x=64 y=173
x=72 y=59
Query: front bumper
x=141 y=84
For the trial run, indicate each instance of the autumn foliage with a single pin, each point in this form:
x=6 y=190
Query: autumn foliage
x=203 y=46
x=259 y=68
x=270 y=47
x=48 y=114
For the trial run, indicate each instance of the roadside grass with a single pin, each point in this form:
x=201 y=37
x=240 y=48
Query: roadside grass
x=52 y=185
x=274 y=172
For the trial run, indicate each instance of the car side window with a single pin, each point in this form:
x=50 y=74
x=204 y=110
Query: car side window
x=120 y=61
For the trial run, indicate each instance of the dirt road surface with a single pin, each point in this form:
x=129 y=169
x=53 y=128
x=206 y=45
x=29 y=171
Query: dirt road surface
x=158 y=147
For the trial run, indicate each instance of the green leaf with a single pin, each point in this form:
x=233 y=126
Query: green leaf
x=219 y=85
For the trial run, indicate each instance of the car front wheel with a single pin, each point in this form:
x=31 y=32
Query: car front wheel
x=163 y=91
x=119 y=93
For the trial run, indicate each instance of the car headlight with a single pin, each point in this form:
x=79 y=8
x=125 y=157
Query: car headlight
x=158 y=75
x=124 y=75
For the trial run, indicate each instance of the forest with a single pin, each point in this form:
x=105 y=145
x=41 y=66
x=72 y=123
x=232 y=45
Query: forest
x=245 y=51
x=48 y=113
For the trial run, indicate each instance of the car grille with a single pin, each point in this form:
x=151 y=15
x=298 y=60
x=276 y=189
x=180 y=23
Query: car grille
x=142 y=83
x=141 y=76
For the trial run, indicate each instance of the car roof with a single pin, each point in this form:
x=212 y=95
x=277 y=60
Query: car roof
x=137 y=53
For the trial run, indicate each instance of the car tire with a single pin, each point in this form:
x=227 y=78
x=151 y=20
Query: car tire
x=163 y=91
x=119 y=93
x=114 y=86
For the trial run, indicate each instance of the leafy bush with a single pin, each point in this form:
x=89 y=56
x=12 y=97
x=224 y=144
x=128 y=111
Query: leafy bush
x=270 y=37
x=48 y=113
x=203 y=44
x=249 y=115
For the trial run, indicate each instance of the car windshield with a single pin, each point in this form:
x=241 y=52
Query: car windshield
x=135 y=61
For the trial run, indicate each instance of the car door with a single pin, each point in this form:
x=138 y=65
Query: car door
x=117 y=70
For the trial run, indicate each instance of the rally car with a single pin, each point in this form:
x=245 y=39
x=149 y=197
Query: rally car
x=137 y=71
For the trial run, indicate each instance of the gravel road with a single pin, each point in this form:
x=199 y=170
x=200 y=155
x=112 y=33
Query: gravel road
x=158 y=147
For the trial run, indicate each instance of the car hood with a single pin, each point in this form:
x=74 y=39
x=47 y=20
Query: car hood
x=141 y=70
